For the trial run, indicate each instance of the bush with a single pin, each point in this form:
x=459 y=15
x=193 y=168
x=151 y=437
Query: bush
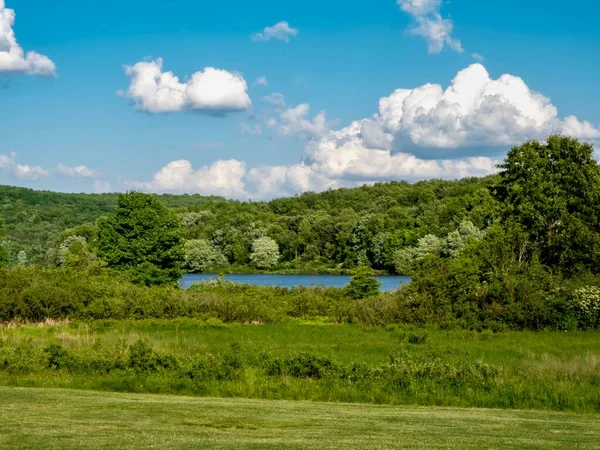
x=586 y=304
x=453 y=293
x=363 y=284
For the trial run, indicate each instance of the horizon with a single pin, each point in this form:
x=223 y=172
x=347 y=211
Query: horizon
x=298 y=194
x=278 y=99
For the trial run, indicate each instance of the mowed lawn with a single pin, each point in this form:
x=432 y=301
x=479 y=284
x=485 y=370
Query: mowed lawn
x=33 y=418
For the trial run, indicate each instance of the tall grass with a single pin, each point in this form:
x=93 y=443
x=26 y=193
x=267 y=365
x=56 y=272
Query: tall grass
x=394 y=365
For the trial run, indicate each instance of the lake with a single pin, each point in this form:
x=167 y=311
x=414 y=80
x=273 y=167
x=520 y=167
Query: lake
x=388 y=282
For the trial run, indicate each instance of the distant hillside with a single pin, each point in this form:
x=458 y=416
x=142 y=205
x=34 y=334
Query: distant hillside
x=336 y=227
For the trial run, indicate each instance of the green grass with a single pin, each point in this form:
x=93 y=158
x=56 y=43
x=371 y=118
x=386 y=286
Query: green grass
x=346 y=343
x=53 y=419
x=542 y=370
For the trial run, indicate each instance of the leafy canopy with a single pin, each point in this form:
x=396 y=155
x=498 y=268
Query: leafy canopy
x=3 y=250
x=201 y=255
x=552 y=191
x=265 y=252
x=144 y=238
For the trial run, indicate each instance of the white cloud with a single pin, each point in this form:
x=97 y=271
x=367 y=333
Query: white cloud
x=77 y=171
x=345 y=154
x=295 y=123
x=475 y=110
x=571 y=126
x=275 y=99
x=425 y=132
x=280 y=31
x=21 y=171
x=477 y=57
x=419 y=7
x=250 y=130
x=210 y=90
x=223 y=178
x=262 y=81
x=12 y=56
x=8 y=163
x=430 y=25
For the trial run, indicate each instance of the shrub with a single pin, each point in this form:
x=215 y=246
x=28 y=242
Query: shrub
x=586 y=303
x=363 y=284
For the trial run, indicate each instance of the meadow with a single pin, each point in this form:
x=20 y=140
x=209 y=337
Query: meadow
x=309 y=360
x=56 y=419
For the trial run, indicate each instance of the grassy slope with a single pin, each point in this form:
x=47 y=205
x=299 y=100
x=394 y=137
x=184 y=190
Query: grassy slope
x=52 y=418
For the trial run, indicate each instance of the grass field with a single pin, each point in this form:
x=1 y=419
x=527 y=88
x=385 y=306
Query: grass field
x=319 y=362
x=53 y=418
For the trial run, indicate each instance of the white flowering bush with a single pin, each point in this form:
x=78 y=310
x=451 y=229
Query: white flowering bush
x=201 y=255
x=586 y=304
x=265 y=252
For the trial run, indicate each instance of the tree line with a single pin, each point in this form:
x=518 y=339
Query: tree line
x=328 y=232
x=521 y=248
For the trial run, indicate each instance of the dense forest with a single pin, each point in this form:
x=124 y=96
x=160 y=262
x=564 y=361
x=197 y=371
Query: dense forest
x=334 y=230
x=518 y=249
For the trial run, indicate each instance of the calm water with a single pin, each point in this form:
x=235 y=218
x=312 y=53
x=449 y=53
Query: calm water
x=388 y=283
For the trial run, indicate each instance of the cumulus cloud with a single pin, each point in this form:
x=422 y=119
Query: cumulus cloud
x=475 y=110
x=211 y=90
x=21 y=171
x=425 y=132
x=250 y=130
x=12 y=56
x=223 y=178
x=77 y=171
x=280 y=31
x=294 y=122
x=430 y=25
x=26 y=172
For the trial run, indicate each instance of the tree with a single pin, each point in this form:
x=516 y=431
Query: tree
x=363 y=284
x=144 y=238
x=22 y=258
x=552 y=191
x=201 y=255
x=449 y=247
x=74 y=252
x=458 y=239
x=265 y=252
x=405 y=259
x=4 y=258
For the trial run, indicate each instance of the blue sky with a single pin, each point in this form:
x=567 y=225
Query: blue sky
x=72 y=119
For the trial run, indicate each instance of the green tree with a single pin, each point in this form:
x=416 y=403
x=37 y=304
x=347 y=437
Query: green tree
x=363 y=284
x=4 y=258
x=552 y=191
x=458 y=239
x=201 y=255
x=405 y=258
x=74 y=252
x=265 y=252
x=144 y=238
